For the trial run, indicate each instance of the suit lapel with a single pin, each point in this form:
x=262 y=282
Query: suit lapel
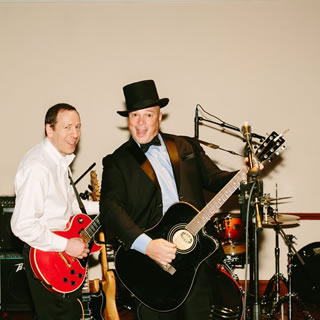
x=145 y=165
x=142 y=160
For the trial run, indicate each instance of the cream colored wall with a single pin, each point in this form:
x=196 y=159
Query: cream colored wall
x=256 y=61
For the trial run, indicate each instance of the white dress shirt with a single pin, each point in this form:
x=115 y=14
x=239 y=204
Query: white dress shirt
x=45 y=200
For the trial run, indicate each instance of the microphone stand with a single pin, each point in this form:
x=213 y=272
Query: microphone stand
x=252 y=186
x=85 y=173
x=84 y=195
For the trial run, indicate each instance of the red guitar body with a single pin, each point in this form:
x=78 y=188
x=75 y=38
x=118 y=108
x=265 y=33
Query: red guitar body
x=58 y=271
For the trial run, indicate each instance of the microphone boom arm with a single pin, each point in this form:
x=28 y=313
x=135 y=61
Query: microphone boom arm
x=228 y=126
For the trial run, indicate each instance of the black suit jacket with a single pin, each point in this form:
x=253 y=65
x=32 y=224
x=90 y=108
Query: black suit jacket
x=131 y=198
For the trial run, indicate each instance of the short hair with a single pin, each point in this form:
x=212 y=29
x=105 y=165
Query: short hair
x=52 y=113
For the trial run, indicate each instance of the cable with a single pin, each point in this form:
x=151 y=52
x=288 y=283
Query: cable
x=82 y=309
x=211 y=115
x=247 y=256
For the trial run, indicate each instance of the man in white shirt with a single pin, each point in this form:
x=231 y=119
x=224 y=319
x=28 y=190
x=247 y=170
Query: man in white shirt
x=45 y=201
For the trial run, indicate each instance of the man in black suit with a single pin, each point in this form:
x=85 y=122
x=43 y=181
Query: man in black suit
x=140 y=182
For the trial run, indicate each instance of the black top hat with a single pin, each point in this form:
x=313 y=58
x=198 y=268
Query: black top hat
x=141 y=95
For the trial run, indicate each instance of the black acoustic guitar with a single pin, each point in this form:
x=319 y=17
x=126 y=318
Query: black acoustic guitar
x=166 y=288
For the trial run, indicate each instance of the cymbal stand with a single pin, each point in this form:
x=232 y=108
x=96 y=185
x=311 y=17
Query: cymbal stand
x=272 y=292
x=290 y=296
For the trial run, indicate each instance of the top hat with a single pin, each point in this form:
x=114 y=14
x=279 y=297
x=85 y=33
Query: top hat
x=141 y=95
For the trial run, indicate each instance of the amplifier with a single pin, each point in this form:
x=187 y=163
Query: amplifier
x=8 y=241
x=14 y=289
x=7 y=202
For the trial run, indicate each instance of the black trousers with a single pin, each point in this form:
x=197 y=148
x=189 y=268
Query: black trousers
x=50 y=305
x=212 y=296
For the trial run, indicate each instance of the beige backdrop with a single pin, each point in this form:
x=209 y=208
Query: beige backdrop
x=256 y=61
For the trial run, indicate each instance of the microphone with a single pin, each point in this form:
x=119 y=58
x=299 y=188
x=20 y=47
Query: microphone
x=246 y=130
x=196 y=124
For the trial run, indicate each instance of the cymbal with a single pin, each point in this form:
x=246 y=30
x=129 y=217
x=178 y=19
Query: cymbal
x=276 y=202
x=275 y=199
x=270 y=200
x=282 y=219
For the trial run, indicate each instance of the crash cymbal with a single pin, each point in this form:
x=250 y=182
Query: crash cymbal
x=282 y=219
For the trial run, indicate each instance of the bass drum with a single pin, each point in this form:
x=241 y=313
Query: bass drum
x=306 y=277
x=228 y=298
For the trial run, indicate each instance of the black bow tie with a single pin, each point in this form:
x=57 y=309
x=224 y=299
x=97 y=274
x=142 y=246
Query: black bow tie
x=155 y=142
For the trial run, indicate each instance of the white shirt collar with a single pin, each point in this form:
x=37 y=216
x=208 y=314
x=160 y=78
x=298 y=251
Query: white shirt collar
x=57 y=156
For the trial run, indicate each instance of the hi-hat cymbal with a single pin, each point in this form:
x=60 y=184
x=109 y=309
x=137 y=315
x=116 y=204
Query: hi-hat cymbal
x=275 y=199
x=282 y=219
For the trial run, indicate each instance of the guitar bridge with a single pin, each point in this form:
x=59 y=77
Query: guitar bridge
x=168 y=268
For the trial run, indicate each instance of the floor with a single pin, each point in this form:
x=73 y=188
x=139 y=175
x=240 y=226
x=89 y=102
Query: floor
x=299 y=310
x=296 y=314
x=124 y=315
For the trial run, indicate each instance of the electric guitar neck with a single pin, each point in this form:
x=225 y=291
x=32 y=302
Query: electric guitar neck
x=109 y=281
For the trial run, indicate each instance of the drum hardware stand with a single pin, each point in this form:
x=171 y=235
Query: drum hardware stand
x=290 y=296
x=272 y=291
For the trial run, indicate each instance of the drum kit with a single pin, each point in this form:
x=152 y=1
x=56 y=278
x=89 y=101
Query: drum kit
x=301 y=285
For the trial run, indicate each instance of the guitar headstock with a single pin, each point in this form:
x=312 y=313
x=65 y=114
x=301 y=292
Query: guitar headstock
x=95 y=194
x=273 y=144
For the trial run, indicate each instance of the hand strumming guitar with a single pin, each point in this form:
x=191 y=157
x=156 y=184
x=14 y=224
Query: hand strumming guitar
x=161 y=251
x=77 y=248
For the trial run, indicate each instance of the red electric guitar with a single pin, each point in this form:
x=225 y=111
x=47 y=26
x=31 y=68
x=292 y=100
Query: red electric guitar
x=58 y=271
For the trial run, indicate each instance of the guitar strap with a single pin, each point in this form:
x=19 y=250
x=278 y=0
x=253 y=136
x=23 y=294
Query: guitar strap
x=174 y=157
x=81 y=205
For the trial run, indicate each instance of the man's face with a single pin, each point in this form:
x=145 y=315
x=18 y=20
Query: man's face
x=66 y=133
x=144 y=124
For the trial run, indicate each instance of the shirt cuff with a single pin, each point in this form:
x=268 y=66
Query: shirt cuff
x=60 y=244
x=141 y=243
